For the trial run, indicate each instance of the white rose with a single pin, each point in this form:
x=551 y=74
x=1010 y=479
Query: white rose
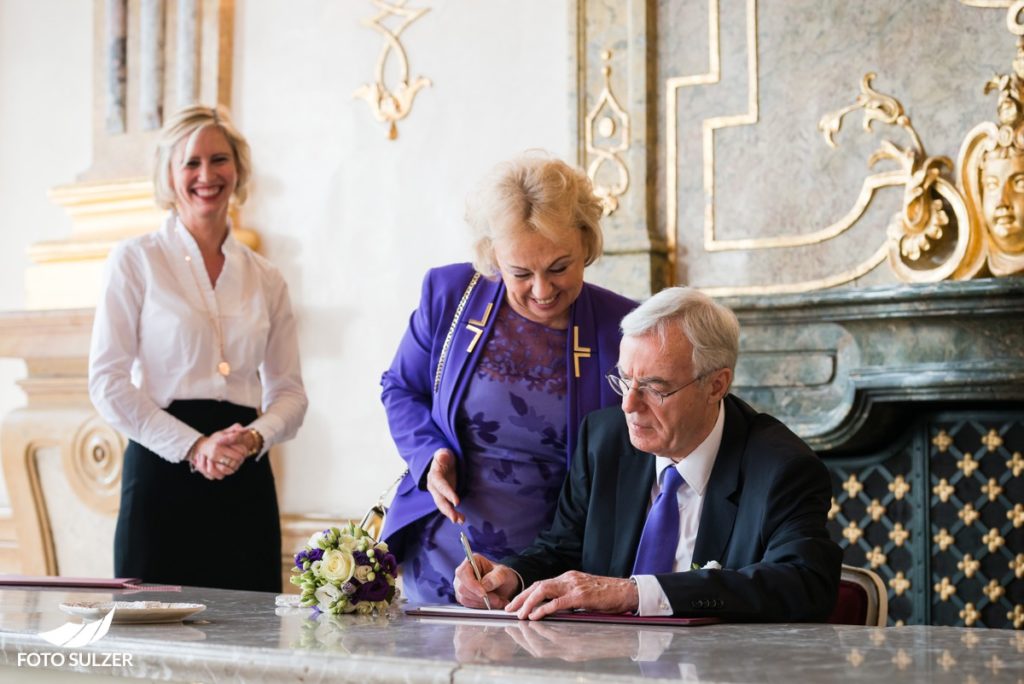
x=314 y=541
x=712 y=565
x=326 y=595
x=362 y=571
x=347 y=542
x=337 y=566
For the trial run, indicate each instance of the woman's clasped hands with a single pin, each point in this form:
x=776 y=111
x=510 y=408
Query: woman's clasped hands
x=222 y=453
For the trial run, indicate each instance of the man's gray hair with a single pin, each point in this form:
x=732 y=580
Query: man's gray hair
x=711 y=328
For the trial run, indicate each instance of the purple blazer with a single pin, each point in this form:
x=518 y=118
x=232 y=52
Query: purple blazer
x=423 y=421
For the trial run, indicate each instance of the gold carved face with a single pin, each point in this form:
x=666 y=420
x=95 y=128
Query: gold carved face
x=1002 y=199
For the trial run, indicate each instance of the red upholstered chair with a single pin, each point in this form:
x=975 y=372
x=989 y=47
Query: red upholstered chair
x=862 y=599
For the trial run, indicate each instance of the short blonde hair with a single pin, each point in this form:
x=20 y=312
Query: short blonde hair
x=710 y=327
x=186 y=124
x=538 y=193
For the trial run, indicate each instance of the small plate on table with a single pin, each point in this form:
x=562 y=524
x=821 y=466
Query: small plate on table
x=133 y=611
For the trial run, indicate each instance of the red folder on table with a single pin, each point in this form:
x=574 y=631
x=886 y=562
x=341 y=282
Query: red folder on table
x=454 y=611
x=54 y=581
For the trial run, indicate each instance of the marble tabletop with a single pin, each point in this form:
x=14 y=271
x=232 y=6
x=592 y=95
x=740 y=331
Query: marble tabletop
x=242 y=637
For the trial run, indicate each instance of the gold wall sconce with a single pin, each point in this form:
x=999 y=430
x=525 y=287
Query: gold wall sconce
x=389 y=105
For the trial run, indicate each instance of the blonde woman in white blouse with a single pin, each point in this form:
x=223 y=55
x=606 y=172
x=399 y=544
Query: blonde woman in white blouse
x=195 y=358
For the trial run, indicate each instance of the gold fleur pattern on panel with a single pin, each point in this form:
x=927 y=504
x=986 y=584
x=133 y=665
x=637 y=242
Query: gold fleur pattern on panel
x=852 y=486
x=1016 y=616
x=958 y=469
x=946 y=661
x=969 y=614
x=944 y=539
x=943 y=490
x=945 y=589
x=993 y=540
x=1016 y=515
x=970 y=639
x=968 y=565
x=993 y=590
x=992 y=490
x=898 y=535
x=899 y=583
x=855 y=657
x=992 y=440
x=899 y=487
x=968 y=465
x=1016 y=464
x=968 y=514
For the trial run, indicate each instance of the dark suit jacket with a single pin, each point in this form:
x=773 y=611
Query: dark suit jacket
x=763 y=520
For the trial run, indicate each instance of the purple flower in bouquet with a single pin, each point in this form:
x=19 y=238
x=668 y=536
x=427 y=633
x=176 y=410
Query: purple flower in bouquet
x=376 y=590
x=388 y=564
x=361 y=558
x=311 y=555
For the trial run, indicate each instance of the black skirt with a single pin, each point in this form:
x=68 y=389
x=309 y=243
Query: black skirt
x=177 y=527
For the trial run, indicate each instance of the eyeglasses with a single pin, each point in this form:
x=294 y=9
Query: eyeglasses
x=650 y=395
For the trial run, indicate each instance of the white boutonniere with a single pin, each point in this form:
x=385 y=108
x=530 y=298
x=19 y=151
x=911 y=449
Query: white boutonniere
x=710 y=565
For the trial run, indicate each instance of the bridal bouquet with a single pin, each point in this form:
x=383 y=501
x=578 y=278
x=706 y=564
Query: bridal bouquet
x=345 y=571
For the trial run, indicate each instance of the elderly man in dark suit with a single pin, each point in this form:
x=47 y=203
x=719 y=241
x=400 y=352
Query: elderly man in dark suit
x=684 y=501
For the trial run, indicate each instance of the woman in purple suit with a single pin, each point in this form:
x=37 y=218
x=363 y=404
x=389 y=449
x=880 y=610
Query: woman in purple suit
x=500 y=363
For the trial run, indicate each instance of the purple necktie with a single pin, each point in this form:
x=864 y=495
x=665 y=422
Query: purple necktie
x=657 y=551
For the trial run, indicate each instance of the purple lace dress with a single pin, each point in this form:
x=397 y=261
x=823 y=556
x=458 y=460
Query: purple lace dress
x=512 y=432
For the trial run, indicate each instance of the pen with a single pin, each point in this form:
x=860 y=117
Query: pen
x=472 y=563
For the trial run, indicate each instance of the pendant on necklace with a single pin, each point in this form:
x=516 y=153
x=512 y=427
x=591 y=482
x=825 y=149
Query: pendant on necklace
x=224 y=368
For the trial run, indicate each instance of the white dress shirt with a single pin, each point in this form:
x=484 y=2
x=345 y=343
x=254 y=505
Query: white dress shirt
x=155 y=339
x=695 y=469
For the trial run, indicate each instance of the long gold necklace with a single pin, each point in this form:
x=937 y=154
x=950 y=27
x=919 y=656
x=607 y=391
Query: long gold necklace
x=224 y=368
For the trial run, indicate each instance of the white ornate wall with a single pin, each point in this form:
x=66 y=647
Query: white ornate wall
x=351 y=218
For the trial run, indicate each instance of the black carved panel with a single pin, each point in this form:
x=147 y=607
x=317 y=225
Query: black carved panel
x=940 y=517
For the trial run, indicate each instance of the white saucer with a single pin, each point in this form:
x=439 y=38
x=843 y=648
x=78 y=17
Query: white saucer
x=133 y=611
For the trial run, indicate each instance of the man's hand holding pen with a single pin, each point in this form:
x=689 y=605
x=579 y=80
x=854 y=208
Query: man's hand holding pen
x=497 y=582
x=569 y=591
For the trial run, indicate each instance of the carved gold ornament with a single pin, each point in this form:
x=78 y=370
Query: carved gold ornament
x=943 y=490
x=992 y=440
x=1017 y=616
x=852 y=486
x=1017 y=565
x=876 y=510
x=898 y=535
x=994 y=590
x=834 y=509
x=876 y=558
x=968 y=465
x=993 y=540
x=992 y=489
x=1016 y=464
x=392 y=105
x=969 y=615
x=968 y=514
x=968 y=565
x=944 y=539
x=899 y=487
x=942 y=441
x=945 y=589
x=899 y=583
x=1016 y=515
x=606 y=134
x=852 y=532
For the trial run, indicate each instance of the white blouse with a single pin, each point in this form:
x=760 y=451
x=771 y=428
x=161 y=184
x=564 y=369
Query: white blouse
x=158 y=333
